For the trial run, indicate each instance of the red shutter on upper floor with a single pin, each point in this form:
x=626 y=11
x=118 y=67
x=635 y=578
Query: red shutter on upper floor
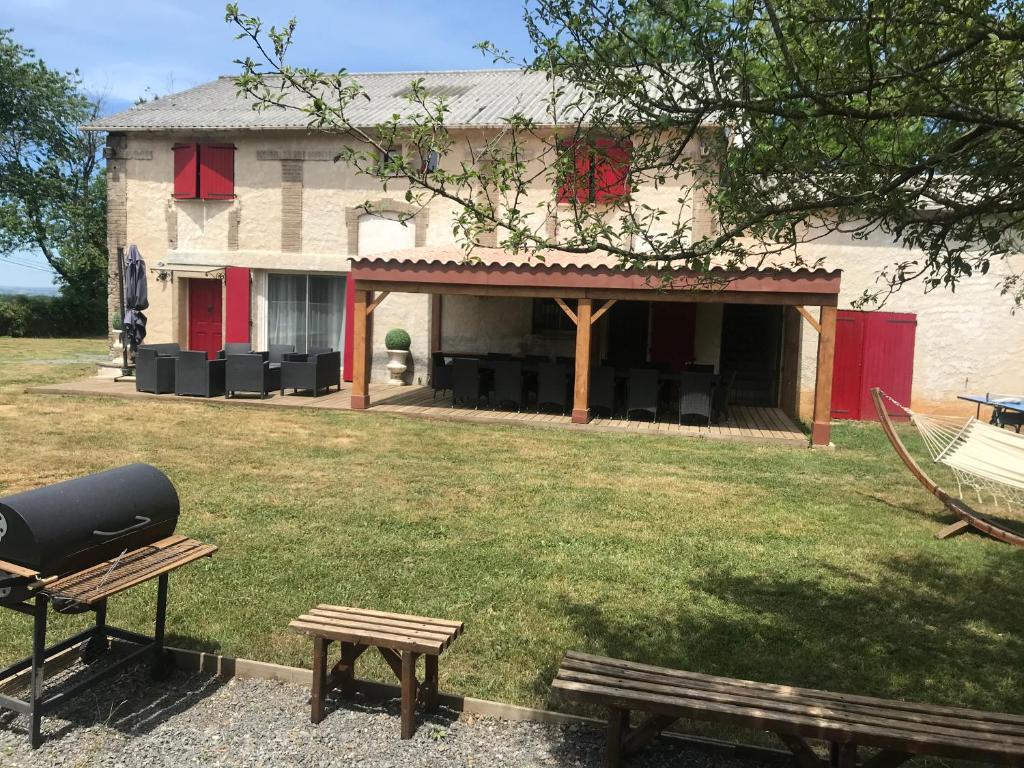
x=217 y=171
x=185 y=171
x=238 y=301
x=611 y=169
x=576 y=184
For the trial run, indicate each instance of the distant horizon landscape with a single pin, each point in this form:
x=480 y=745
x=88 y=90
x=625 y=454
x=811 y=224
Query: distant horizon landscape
x=29 y=290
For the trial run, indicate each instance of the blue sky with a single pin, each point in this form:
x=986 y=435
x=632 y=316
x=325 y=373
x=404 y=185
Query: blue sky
x=125 y=50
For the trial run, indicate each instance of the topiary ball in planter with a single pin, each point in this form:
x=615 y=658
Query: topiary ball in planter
x=397 y=343
x=397 y=339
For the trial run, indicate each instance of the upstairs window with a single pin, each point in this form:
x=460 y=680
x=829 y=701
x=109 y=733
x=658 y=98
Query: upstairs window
x=577 y=183
x=205 y=171
x=389 y=162
x=600 y=171
x=431 y=162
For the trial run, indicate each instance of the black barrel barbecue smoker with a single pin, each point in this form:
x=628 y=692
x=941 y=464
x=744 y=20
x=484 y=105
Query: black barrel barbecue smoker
x=72 y=545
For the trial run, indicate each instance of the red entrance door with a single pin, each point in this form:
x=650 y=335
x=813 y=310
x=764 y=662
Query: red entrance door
x=672 y=329
x=873 y=349
x=205 y=318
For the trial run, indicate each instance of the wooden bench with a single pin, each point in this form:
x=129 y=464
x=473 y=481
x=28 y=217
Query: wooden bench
x=401 y=640
x=899 y=730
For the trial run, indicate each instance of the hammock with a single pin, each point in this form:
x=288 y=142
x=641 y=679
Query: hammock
x=984 y=458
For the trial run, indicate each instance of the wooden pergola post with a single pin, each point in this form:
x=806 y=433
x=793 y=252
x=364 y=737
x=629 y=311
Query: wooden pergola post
x=821 y=430
x=360 y=351
x=581 y=390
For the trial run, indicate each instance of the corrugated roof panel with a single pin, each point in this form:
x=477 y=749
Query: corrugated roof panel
x=474 y=98
x=549 y=260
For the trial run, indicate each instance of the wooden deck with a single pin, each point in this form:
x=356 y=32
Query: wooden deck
x=752 y=424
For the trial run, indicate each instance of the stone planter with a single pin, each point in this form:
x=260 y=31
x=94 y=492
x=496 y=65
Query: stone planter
x=397 y=365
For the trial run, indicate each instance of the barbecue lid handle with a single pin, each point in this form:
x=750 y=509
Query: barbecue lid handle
x=142 y=523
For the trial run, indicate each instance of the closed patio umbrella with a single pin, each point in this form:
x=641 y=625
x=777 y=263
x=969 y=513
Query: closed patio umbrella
x=136 y=298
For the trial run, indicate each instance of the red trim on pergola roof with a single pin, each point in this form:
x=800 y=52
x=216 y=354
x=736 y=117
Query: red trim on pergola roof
x=522 y=277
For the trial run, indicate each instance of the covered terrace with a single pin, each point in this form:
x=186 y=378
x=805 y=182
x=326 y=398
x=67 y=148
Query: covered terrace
x=587 y=289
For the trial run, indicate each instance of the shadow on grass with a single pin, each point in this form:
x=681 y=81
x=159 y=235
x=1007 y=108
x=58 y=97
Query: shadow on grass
x=192 y=643
x=922 y=630
x=942 y=517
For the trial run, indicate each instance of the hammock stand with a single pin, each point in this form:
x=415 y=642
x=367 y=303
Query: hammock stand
x=967 y=517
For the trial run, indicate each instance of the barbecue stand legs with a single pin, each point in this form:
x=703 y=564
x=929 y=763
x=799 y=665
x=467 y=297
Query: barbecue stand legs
x=36 y=680
x=98 y=644
x=163 y=661
x=96 y=640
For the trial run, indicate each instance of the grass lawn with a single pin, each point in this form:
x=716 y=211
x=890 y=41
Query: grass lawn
x=814 y=568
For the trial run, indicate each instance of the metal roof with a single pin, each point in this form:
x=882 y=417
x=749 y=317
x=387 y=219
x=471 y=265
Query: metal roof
x=475 y=98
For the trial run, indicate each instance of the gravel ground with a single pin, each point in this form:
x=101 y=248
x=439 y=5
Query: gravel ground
x=197 y=720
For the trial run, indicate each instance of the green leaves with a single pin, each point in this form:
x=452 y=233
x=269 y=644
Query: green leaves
x=52 y=190
x=755 y=126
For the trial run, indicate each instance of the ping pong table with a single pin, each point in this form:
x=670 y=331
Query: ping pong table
x=1007 y=410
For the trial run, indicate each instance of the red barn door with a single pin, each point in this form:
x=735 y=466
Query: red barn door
x=205 y=320
x=847 y=370
x=873 y=349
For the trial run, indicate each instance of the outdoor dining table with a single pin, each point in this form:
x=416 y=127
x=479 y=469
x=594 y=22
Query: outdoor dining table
x=532 y=366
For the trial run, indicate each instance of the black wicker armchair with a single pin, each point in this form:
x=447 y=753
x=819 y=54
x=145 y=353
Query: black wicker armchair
x=251 y=373
x=642 y=392
x=235 y=348
x=198 y=376
x=277 y=353
x=154 y=368
x=696 y=393
x=508 y=384
x=553 y=386
x=466 y=389
x=317 y=372
x=441 y=374
x=602 y=389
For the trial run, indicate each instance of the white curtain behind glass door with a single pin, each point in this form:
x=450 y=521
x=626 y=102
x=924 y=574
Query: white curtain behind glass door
x=286 y=310
x=326 y=311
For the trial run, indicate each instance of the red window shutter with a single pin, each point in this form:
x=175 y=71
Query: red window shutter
x=611 y=169
x=238 y=309
x=217 y=172
x=185 y=171
x=576 y=184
